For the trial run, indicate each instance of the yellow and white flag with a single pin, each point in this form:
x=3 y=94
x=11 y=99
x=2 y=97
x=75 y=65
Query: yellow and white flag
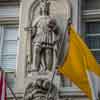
x=78 y=61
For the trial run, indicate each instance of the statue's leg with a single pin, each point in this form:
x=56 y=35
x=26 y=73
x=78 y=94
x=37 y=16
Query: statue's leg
x=43 y=65
x=48 y=58
x=36 y=57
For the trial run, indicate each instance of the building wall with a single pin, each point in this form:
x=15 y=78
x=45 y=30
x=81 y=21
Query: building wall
x=82 y=14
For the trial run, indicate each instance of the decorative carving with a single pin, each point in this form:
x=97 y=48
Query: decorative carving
x=39 y=90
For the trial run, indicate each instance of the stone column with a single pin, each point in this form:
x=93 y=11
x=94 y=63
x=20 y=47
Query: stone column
x=21 y=58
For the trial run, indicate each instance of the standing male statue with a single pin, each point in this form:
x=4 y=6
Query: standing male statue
x=45 y=35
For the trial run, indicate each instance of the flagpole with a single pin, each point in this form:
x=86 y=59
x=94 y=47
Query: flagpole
x=50 y=85
x=66 y=30
x=55 y=67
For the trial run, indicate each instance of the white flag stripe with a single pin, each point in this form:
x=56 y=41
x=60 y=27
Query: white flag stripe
x=91 y=86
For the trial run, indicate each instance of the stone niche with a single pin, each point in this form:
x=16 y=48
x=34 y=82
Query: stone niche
x=61 y=10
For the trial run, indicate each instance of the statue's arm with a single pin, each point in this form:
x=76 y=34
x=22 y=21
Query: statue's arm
x=34 y=27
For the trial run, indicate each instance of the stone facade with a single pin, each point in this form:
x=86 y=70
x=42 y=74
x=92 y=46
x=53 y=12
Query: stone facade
x=60 y=10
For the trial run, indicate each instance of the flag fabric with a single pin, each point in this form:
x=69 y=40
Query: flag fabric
x=77 y=62
x=2 y=86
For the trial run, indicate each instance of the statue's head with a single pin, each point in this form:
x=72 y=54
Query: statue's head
x=44 y=7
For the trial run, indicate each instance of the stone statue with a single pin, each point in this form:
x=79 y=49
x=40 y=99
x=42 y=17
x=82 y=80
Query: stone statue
x=45 y=35
x=46 y=42
x=39 y=90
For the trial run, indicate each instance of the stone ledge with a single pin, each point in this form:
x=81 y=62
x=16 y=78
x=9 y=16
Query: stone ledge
x=72 y=93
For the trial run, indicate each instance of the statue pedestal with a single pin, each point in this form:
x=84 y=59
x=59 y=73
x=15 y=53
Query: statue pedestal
x=37 y=75
x=32 y=77
x=39 y=85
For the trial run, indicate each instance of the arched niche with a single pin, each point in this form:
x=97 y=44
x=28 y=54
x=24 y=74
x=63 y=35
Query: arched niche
x=60 y=9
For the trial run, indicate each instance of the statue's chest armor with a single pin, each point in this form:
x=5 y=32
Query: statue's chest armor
x=42 y=26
